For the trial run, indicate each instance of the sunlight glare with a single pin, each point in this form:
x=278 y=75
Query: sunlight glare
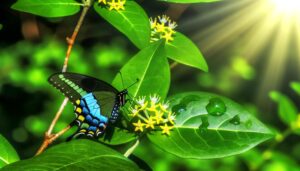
x=287 y=6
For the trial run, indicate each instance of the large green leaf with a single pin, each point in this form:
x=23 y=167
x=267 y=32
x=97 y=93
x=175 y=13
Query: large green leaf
x=7 y=153
x=48 y=8
x=190 y=1
x=296 y=87
x=184 y=51
x=287 y=110
x=210 y=126
x=117 y=136
x=76 y=155
x=133 y=22
x=151 y=67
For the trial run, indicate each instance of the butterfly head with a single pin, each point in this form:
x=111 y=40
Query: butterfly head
x=122 y=97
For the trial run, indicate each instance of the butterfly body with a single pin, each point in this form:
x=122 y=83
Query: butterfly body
x=96 y=102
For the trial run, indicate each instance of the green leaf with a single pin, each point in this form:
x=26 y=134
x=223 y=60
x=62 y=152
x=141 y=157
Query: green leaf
x=287 y=110
x=48 y=8
x=296 y=87
x=76 y=155
x=117 y=136
x=184 y=51
x=190 y=1
x=7 y=153
x=210 y=126
x=133 y=22
x=151 y=67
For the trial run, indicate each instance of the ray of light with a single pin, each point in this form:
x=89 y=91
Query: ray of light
x=255 y=28
x=275 y=66
x=189 y=24
x=229 y=29
x=259 y=37
x=297 y=27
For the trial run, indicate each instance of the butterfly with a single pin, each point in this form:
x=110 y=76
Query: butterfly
x=96 y=102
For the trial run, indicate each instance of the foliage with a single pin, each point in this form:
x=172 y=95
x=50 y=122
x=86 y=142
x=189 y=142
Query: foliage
x=8 y=154
x=73 y=155
x=205 y=125
x=200 y=133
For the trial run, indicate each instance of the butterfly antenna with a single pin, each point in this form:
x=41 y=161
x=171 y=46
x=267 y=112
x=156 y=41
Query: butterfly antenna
x=137 y=80
x=122 y=79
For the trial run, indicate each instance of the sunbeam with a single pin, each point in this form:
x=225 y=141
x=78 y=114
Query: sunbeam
x=263 y=31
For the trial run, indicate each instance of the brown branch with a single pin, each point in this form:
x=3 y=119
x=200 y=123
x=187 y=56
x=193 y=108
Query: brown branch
x=49 y=137
x=71 y=40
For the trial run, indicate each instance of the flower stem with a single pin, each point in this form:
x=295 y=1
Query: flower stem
x=132 y=148
x=49 y=137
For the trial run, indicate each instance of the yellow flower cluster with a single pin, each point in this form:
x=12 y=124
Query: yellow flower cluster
x=114 y=4
x=152 y=115
x=162 y=28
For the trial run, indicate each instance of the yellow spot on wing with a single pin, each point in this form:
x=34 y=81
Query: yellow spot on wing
x=78 y=110
x=81 y=118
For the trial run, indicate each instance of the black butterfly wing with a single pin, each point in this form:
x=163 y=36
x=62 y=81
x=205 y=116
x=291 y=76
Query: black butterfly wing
x=69 y=89
x=74 y=86
x=90 y=84
x=107 y=101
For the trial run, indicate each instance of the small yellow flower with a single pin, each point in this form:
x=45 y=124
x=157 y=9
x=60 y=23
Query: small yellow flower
x=172 y=25
x=166 y=129
x=171 y=118
x=134 y=112
x=167 y=36
x=139 y=126
x=152 y=114
x=102 y=1
x=116 y=4
x=164 y=107
x=158 y=117
x=141 y=102
x=150 y=123
x=162 y=28
x=154 y=99
x=163 y=19
x=153 y=23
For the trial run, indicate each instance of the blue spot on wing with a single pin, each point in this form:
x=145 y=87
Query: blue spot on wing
x=91 y=108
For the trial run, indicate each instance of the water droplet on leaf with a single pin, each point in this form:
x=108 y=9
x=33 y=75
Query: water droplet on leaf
x=216 y=107
x=235 y=120
x=179 y=108
x=204 y=123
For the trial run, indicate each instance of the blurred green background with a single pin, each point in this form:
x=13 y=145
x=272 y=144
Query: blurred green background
x=247 y=60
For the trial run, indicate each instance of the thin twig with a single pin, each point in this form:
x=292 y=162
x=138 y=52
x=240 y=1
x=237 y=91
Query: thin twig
x=71 y=40
x=132 y=148
x=49 y=137
x=57 y=115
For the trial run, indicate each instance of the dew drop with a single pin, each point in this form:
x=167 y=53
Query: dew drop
x=180 y=108
x=235 y=120
x=204 y=122
x=216 y=107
